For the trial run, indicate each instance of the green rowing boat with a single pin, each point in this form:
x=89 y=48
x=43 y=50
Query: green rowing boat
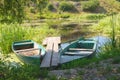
x=81 y=47
x=28 y=51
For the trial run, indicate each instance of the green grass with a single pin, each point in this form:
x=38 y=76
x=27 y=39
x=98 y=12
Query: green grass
x=105 y=25
x=15 y=32
x=8 y=71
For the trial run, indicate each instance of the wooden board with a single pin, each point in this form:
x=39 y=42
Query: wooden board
x=51 y=39
x=80 y=49
x=47 y=58
x=52 y=57
x=23 y=43
x=55 y=56
x=83 y=53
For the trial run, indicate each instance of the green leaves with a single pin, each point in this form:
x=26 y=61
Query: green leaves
x=12 y=11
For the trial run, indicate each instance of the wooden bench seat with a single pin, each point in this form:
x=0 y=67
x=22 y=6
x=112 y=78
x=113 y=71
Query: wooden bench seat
x=23 y=43
x=80 y=53
x=80 y=49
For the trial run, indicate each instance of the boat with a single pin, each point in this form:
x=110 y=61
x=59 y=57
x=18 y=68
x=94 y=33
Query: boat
x=81 y=47
x=28 y=51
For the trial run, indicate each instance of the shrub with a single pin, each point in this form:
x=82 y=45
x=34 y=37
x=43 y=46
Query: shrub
x=50 y=7
x=64 y=6
x=90 y=5
x=32 y=10
x=118 y=0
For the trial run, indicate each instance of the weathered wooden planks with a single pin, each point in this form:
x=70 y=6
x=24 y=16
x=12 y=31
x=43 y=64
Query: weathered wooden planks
x=81 y=53
x=55 y=56
x=52 y=57
x=80 y=49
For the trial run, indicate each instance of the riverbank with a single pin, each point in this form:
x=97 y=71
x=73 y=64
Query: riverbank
x=104 y=70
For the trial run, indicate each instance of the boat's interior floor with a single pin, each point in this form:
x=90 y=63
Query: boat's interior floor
x=29 y=52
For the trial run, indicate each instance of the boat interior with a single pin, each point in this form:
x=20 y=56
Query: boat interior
x=27 y=48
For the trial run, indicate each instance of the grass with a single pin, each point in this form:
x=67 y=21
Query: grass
x=9 y=71
x=15 y=32
x=105 y=27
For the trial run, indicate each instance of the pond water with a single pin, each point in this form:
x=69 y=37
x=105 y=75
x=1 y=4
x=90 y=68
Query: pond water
x=69 y=29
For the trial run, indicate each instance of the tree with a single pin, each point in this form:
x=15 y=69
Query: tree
x=12 y=10
x=41 y=5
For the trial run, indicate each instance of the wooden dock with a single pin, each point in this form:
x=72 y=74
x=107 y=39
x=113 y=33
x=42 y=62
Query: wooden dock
x=51 y=57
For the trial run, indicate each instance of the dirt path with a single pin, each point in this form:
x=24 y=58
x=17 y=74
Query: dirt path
x=104 y=70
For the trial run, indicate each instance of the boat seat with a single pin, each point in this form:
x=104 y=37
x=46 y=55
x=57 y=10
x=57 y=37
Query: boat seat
x=80 y=53
x=23 y=43
x=80 y=49
x=26 y=50
x=86 y=41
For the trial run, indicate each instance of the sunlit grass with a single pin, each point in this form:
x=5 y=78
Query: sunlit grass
x=15 y=32
x=105 y=26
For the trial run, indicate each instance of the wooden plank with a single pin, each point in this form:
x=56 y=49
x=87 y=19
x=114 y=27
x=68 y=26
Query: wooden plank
x=51 y=58
x=47 y=58
x=84 y=53
x=51 y=39
x=55 y=57
x=23 y=43
x=26 y=50
x=81 y=49
x=45 y=41
x=57 y=39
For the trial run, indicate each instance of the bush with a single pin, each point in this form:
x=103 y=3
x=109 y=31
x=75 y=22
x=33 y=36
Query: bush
x=64 y=6
x=118 y=0
x=50 y=7
x=90 y=5
x=32 y=10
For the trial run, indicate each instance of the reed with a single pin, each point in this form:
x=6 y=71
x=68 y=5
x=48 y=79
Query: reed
x=10 y=33
x=16 y=32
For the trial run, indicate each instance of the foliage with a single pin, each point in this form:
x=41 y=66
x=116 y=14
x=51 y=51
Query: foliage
x=41 y=5
x=32 y=10
x=11 y=33
x=65 y=6
x=90 y=5
x=12 y=70
x=111 y=5
x=50 y=7
x=15 y=32
x=118 y=0
x=12 y=11
x=105 y=25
